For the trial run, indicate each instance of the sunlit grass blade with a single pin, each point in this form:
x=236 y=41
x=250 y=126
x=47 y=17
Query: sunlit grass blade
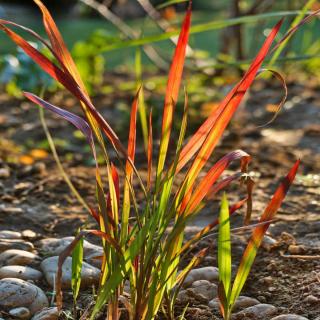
x=172 y=92
x=142 y=106
x=77 y=258
x=296 y=22
x=54 y=71
x=128 y=170
x=208 y=228
x=170 y=3
x=58 y=45
x=224 y=252
x=205 y=185
x=199 y=28
x=150 y=151
x=209 y=133
x=68 y=81
x=258 y=234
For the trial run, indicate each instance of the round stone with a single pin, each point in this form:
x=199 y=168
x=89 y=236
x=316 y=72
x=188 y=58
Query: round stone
x=20 y=272
x=16 y=293
x=17 y=257
x=47 y=314
x=89 y=274
x=289 y=317
x=8 y=234
x=206 y=273
x=20 y=313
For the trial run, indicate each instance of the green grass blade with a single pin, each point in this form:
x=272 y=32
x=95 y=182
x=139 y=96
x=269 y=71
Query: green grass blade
x=77 y=258
x=170 y=3
x=258 y=234
x=295 y=22
x=203 y=27
x=142 y=106
x=224 y=245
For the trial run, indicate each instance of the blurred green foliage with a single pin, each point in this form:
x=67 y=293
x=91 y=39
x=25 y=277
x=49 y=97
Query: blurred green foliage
x=90 y=63
x=19 y=71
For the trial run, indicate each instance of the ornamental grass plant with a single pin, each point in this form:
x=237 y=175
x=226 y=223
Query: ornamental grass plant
x=144 y=240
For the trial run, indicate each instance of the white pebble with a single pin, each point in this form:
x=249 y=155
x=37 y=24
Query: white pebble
x=15 y=293
x=257 y=312
x=8 y=234
x=206 y=273
x=20 y=313
x=289 y=317
x=20 y=272
x=47 y=314
x=89 y=274
x=17 y=257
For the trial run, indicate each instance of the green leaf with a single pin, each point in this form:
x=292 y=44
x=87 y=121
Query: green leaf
x=170 y=3
x=77 y=258
x=224 y=245
x=198 y=28
x=295 y=22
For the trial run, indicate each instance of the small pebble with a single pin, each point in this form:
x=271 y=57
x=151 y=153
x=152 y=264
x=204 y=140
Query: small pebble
x=268 y=243
x=289 y=317
x=20 y=313
x=17 y=257
x=262 y=299
x=311 y=299
x=10 y=210
x=20 y=272
x=297 y=249
x=89 y=274
x=214 y=304
x=7 y=244
x=8 y=234
x=205 y=288
x=257 y=312
x=47 y=314
x=29 y=234
x=206 y=273
x=4 y=173
x=244 y=302
x=267 y=280
x=15 y=293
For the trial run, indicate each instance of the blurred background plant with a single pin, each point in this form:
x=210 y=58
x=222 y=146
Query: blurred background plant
x=109 y=31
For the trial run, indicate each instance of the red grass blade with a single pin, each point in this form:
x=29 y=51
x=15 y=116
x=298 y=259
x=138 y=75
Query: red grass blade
x=129 y=167
x=173 y=85
x=49 y=67
x=59 y=46
x=68 y=79
x=132 y=134
x=116 y=181
x=211 y=130
x=212 y=176
x=95 y=215
x=222 y=184
x=259 y=232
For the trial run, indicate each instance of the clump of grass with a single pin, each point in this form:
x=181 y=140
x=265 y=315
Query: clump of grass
x=139 y=246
